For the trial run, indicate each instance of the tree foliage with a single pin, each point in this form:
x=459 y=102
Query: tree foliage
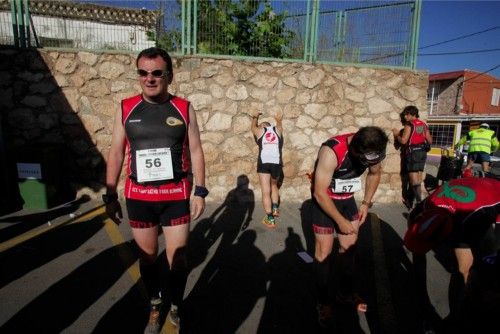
x=236 y=27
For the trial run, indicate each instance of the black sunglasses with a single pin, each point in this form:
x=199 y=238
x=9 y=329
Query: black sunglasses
x=154 y=73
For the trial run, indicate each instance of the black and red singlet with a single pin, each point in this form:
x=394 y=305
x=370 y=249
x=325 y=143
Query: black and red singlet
x=157 y=149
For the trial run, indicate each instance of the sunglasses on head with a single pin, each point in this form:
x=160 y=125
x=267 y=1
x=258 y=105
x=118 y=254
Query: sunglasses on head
x=371 y=158
x=154 y=73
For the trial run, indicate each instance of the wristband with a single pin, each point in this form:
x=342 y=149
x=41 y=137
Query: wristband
x=109 y=198
x=200 y=191
x=368 y=204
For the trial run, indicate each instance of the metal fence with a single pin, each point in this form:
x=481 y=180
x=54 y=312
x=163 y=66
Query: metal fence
x=361 y=32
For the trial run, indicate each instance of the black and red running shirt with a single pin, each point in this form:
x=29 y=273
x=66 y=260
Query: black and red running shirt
x=150 y=126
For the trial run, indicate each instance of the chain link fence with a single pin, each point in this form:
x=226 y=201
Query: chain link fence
x=359 y=32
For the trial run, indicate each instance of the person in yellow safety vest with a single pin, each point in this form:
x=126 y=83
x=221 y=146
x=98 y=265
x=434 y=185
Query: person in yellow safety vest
x=483 y=142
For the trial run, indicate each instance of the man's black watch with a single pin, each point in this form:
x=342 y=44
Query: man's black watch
x=109 y=198
x=200 y=191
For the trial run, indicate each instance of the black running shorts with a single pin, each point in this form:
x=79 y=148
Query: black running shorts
x=144 y=214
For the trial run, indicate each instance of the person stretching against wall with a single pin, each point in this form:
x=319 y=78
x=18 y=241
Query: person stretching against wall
x=269 y=164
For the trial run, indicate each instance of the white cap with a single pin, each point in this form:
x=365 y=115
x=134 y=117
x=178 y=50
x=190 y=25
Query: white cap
x=484 y=125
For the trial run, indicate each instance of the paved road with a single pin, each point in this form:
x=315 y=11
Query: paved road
x=71 y=270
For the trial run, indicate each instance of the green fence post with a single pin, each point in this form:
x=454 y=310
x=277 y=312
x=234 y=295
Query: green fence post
x=195 y=27
x=183 y=26
x=314 y=31
x=15 y=27
x=307 y=51
x=21 y=23
x=188 y=27
x=27 y=22
x=415 y=34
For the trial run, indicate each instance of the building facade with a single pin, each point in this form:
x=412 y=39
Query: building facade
x=458 y=102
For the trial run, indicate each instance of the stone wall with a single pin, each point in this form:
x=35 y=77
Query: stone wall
x=68 y=99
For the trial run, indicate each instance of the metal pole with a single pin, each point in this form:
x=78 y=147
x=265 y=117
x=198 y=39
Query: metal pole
x=308 y=30
x=188 y=28
x=20 y=23
x=432 y=98
x=314 y=42
x=15 y=26
x=183 y=27
x=415 y=33
x=195 y=27
x=27 y=22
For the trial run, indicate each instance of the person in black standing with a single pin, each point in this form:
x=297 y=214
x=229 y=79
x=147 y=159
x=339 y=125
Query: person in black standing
x=160 y=133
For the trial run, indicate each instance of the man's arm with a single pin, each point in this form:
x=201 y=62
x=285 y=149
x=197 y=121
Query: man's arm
x=256 y=130
x=494 y=144
x=279 y=122
x=327 y=162
x=198 y=162
x=428 y=136
x=116 y=154
x=371 y=185
x=462 y=140
x=405 y=136
x=114 y=166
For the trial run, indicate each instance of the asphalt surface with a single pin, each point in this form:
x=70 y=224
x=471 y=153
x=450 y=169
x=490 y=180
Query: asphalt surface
x=71 y=270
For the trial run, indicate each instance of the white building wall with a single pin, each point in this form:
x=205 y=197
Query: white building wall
x=82 y=34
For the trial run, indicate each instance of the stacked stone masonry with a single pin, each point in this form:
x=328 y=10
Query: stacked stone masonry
x=69 y=99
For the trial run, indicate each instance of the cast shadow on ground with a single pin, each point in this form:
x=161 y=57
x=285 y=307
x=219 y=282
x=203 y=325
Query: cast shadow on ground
x=290 y=303
x=29 y=221
x=408 y=289
x=63 y=303
x=225 y=223
x=400 y=282
x=227 y=289
x=35 y=252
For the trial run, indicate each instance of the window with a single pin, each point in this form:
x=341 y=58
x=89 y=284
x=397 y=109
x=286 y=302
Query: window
x=495 y=97
x=442 y=135
x=433 y=96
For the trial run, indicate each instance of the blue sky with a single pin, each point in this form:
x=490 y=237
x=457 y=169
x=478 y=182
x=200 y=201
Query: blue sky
x=446 y=20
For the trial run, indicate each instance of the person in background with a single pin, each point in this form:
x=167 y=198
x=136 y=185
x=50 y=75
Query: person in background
x=269 y=164
x=482 y=142
x=160 y=133
x=417 y=139
x=407 y=194
x=461 y=212
x=341 y=162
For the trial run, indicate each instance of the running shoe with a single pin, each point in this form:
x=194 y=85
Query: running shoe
x=276 y=212
x=173 y=316
x=269 y=221
x=325 y=314
x=153 y=326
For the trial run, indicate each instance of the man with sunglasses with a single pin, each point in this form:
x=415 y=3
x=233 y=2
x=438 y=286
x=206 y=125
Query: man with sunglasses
x=160 y=133
x=341 y=161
